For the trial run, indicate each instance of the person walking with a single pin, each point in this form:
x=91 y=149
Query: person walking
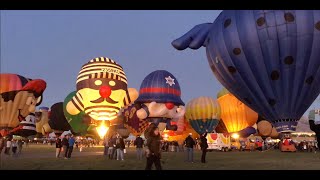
x=58 y=147
x=20 y=143
x=120 y=146
x=65 y=146
x=189 y=143
x=14 y=147
x=204 y=147
x=106 y=146
x=113 y=150
x=153 y=152
x=2 y=144
x=139 y=145
x=71 y=142
x=8 y=146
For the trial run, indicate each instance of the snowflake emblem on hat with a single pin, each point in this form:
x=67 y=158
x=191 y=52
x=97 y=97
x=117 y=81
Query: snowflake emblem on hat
x=169 y=80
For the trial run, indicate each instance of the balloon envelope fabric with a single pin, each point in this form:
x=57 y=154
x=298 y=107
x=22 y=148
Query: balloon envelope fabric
x=269 y=59
x=203 y=113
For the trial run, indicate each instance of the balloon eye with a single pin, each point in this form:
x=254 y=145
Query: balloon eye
x=112 y=83
x=98 y=82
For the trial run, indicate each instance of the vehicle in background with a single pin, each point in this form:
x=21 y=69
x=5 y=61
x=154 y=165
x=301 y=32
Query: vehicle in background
x=219 y=141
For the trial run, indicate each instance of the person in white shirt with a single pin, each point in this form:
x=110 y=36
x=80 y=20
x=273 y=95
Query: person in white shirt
x=8 y=147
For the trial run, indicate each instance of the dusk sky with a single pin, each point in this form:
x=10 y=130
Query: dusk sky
x=53 y=45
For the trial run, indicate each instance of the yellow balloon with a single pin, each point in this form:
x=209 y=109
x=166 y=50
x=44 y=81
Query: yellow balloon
x=101 y=90
x=235 y=114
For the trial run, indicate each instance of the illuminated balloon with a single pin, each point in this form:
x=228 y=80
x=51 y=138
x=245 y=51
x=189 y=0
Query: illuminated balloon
x=57 y=120
x=235 y=115
x=203 y=113
x=18 y=98
x=159 y=99
x=131 y=120
x=221 y=128
x=268 y=59
x=101 y=90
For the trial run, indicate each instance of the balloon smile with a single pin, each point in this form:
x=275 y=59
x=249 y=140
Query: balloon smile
x=101 y=99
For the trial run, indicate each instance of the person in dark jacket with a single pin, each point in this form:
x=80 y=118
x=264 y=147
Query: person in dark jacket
x=65 y=146
x=139 y=144
x=189 y=143
x=153 y=152
x=204 y=146
x=120 y=146
x=58 y=147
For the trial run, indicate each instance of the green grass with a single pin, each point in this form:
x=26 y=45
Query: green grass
x=42 y=157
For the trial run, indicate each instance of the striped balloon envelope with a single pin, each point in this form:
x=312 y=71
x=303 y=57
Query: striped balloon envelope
x=203 y=113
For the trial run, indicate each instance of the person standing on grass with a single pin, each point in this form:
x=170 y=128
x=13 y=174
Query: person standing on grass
x=120 y=146
x=71 y=142
x=153 y=152
x=58 y=147
x=2 y=144
x=8 y=146
x=189 y=142
x=20 y=143
x=106 y=146
x=65 y=146
x=139 y=145
x=14 y=147
x=204 y=147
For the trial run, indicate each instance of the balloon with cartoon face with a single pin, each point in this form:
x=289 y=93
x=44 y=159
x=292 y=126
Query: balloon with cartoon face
x=42 y=118
x=19 y=97
x=27 y=127
x=101 y=90
x=159 y=99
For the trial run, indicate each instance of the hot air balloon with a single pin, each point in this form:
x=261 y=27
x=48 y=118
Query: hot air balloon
x=235 y=115
x=265 y=129
x=268 y=59
x=18 y=98
x=42 y=119
x=101 y=90
x=131 y=121
x=57 y=120
x=159 y=99
x=203 y=113
x=79 y=123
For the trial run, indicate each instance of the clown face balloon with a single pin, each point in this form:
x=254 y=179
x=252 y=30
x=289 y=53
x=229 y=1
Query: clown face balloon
x=101 y=90
x=160 y=99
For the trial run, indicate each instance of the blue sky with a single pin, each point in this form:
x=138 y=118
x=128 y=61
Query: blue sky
x=53 y=45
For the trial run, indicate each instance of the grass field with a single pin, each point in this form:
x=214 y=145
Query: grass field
x=42 y=157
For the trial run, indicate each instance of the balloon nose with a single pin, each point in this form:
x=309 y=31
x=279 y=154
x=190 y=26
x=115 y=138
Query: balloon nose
x=105 y=91
x=169 y=105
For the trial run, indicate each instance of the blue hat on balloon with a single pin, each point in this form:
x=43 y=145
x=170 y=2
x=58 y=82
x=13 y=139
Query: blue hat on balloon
x=160 y=86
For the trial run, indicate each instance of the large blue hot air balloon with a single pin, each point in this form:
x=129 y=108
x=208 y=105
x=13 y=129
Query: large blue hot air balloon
x=267 y=59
